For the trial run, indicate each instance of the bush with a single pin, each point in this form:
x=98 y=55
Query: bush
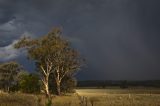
x=68 y=84
x=29 y=83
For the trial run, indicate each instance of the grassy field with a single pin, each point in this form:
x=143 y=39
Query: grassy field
x=88 y=97
x=18 y=100
x=120 y=97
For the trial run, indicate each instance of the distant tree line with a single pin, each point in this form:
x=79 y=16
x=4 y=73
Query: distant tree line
x=120 y=83
x=56 y=64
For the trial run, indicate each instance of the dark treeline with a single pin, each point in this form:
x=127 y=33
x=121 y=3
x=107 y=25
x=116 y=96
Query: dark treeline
x=118 y=83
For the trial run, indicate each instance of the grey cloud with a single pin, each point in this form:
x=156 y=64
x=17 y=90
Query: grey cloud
x=8 y=52
x=119 y=38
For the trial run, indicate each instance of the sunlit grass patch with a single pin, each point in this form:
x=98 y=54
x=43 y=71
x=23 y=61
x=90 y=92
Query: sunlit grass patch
x=120 y=97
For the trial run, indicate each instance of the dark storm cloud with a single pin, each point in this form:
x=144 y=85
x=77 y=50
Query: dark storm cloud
x=119 y=38
x=6 y=11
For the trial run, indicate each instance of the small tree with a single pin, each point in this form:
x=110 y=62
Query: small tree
x=29 y=83
x=8 y=74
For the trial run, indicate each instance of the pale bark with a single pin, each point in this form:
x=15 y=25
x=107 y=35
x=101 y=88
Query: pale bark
x=46 y=86
x=58 y=77
x=45 y=78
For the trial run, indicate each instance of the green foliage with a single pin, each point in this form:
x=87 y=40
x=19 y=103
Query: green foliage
x=68 y=84
x=52 y=54
x=8 y=74
x=29 y=83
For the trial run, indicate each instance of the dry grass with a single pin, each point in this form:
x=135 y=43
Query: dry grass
x=70 y=100
x=119 y=97
x=88 y=97
x=18 y=100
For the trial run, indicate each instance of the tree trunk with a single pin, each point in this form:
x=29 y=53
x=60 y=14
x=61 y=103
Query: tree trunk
x=47 y=91
x=46 y=86
x=58 y=88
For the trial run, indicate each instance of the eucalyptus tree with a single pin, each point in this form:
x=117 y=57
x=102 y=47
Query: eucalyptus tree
x=52 y=54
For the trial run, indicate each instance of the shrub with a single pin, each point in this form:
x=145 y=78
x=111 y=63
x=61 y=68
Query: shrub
x=29 y=83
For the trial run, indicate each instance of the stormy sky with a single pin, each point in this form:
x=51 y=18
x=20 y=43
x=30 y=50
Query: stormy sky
x=120 y=39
